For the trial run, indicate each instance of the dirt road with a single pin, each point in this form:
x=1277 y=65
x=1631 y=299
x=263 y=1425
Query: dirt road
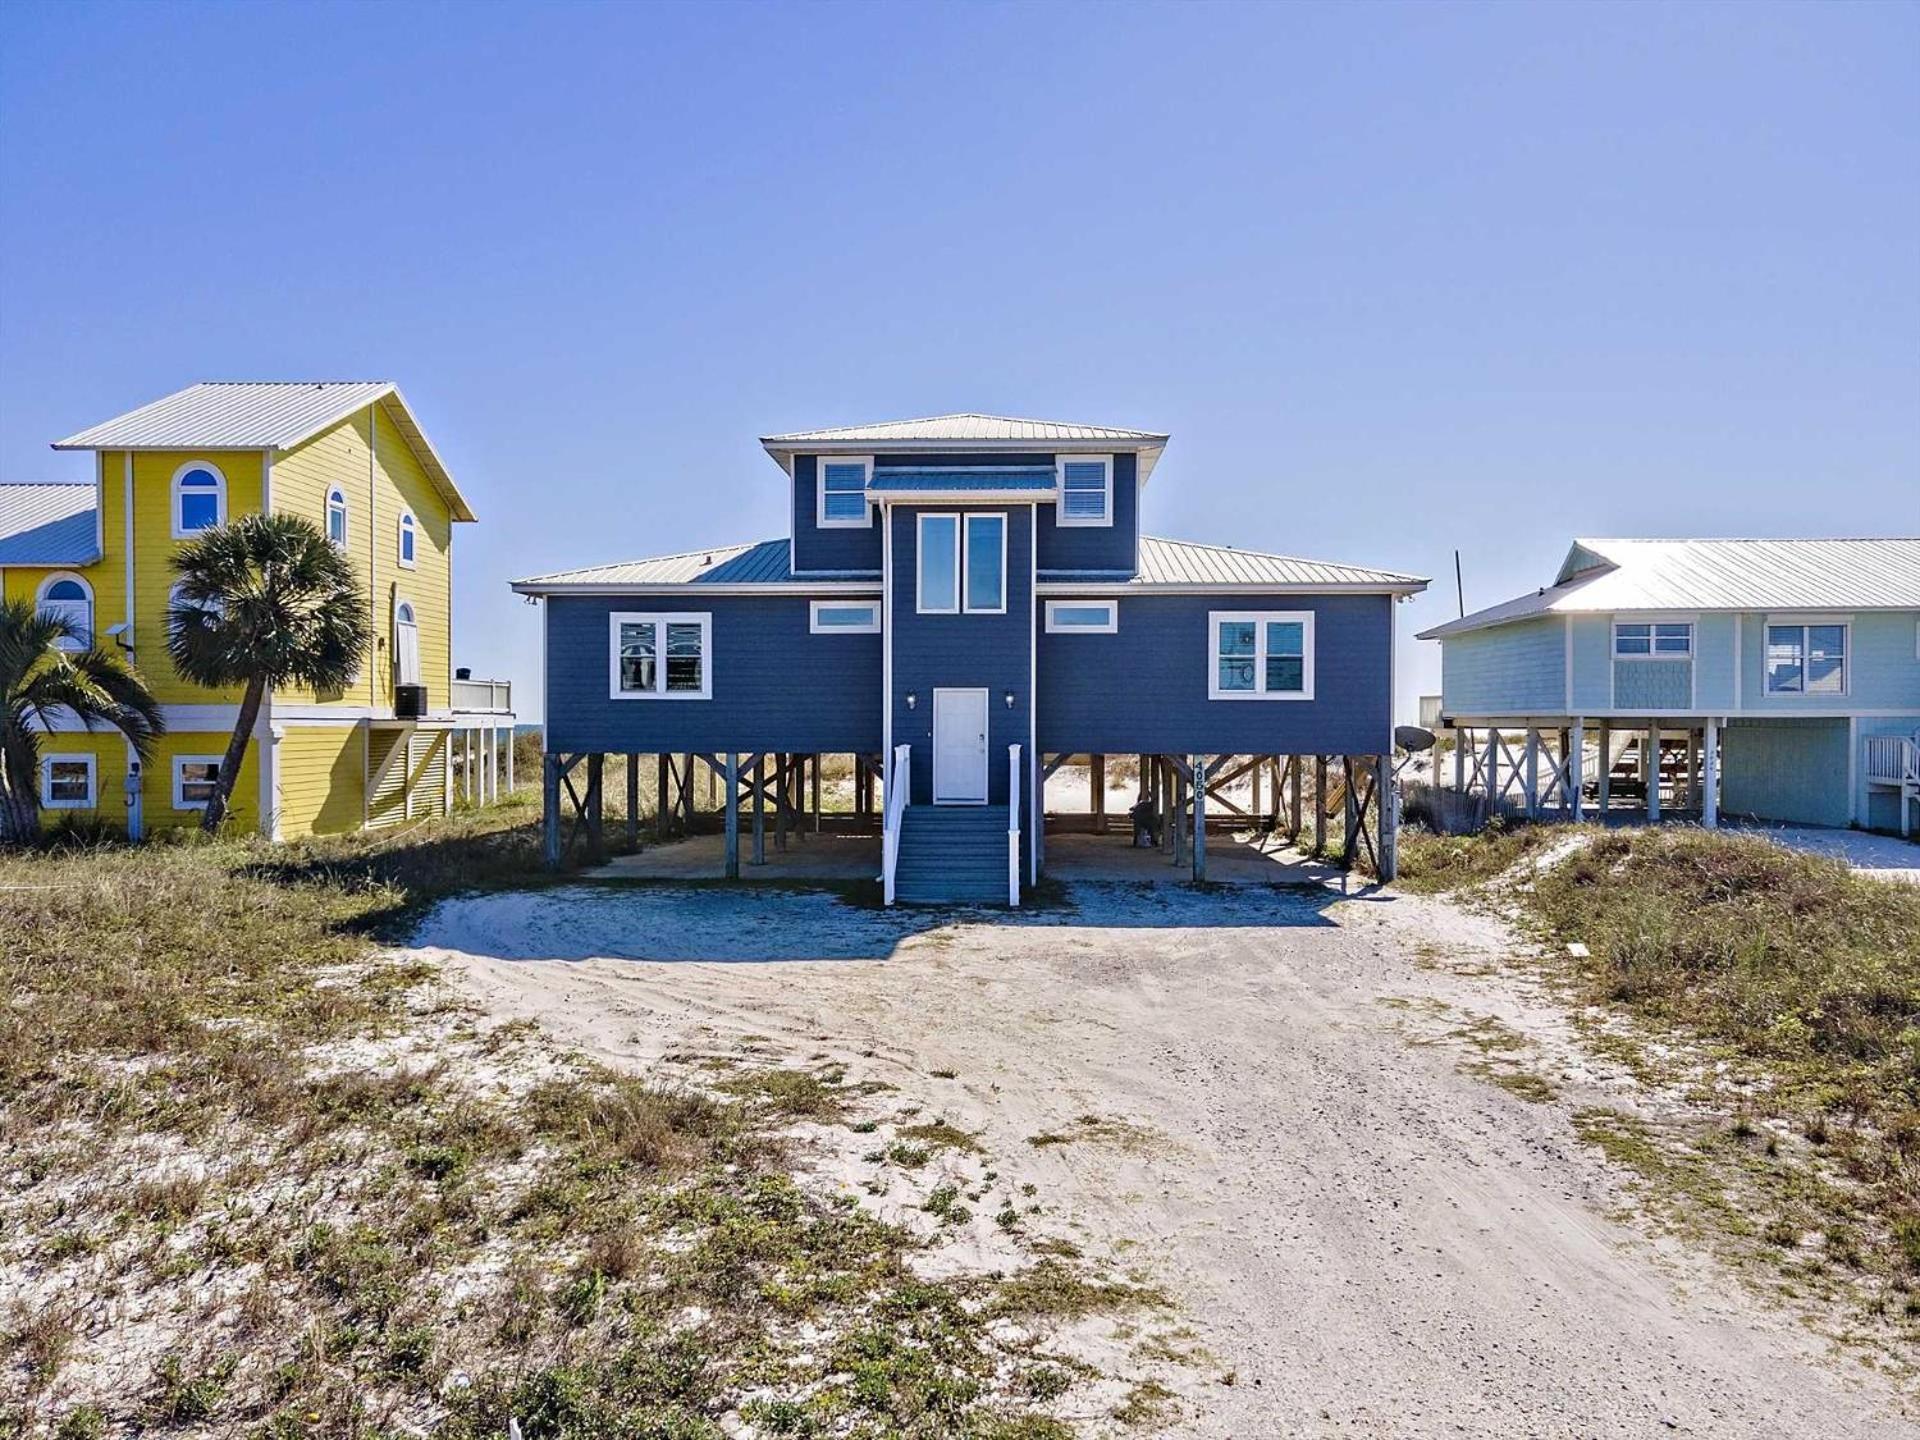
x=1369 y=1241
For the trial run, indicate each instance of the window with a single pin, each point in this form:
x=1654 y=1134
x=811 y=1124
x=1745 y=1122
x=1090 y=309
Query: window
x=986 y=564
x=1653 y=640
x=177 y=602
x=1260 y=655
x=661 y=657
x=938 y=558
x=1086 y=490
x=337 y=517
x=68 y=598
x=844 y=617
x=199 y=499
x=408 y=533
x=406 y=645
x=1093 y=617
x=66 y=782
x=1807 y=659
x=194 y=779
x=842 y=499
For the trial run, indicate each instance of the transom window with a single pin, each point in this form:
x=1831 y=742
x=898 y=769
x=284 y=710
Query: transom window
x=199 y=499
x=195 y=778
x=409 y=531
x=844 y=617
x=70 y=599
x=661 y=657
x=1260 y=655
x=66 y=782
x=1807 y=659
x=1086 y=490
x=337 y=517
x=1653 y=640
x=1094 y=617
x=843 y=492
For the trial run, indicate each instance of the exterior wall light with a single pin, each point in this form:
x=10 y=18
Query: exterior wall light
x=1009 y=699
x=912 y=699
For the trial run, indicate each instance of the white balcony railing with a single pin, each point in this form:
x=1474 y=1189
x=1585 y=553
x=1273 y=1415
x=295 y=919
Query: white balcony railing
x=1013 y=826
x=483 y=696
x=899 y=783
x=1893 y=760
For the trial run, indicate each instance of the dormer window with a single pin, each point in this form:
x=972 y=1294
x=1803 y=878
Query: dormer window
x=842 y=502
x=1086 y=490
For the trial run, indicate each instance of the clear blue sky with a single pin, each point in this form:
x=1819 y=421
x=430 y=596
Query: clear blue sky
x=1396 y=278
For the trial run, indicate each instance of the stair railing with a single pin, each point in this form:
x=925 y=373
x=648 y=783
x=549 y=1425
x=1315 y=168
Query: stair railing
x=1013 y=826
x=899 y=784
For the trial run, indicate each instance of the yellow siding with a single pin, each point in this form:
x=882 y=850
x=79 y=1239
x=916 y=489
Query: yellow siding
x=322 y=779
x=156 y=789
x=109 y=753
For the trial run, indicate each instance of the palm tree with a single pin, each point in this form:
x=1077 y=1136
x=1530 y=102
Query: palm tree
x=266 y=600
x=41 y=676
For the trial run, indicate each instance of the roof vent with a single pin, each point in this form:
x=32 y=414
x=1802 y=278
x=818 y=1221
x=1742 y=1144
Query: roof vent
x=706 y=559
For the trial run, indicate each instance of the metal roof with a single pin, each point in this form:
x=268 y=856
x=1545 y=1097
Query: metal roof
x=1605 y=576
x=893 y=481
x=263 y=415
x=966 y=426
x=48 y=524
x=1163 y=563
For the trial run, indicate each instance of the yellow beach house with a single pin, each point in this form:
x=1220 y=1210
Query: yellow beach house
x=397 y=743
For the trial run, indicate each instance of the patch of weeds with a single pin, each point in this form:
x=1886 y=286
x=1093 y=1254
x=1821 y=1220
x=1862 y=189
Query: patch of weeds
x=1147 y=1403
x=188 y=1389
x=944 y=1202
x=944 y=1074
x=908 y=1157
x=1051 y=1289
x=1044 y=1382
x=1097 y=1130
x=796 y=1094
x=939 y=1135
x=82 y=1422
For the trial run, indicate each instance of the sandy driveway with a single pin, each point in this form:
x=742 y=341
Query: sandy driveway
x=1371 y=1241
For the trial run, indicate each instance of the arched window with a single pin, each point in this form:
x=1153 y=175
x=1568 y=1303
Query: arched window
x=337 y=517
x=69 y=598
x=199 y=499
x=408 y=532
x=406 y=646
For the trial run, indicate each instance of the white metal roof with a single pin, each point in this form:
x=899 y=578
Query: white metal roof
x=263 y=415
x=1186 y=562
x=48 y=524
x=1604 y=576
x=962 y=427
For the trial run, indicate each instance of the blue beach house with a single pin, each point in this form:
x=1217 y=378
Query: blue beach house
x=1776 y=680
x=961 y=604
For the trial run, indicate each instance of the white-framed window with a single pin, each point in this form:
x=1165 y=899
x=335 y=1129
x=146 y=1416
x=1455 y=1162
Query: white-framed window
x=1807 y=657
x=986 y=564
x=1086 y=489
x=840 y=499
x=1260 y=655
x=844 y=617
x=937 y=565
x=195 y=777
x=1653 y=639
x=337 y=516
x=409 y=539
x=406 y=644
x=199 y=498
x=1083 y=617
x=66 y=596
x=67 y=782
x=176 y=601
x=660 y=657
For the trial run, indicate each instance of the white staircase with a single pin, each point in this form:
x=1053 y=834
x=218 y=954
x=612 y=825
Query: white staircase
x=1893 y=763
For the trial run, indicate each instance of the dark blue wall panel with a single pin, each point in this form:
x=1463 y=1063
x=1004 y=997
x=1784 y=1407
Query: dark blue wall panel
x=962 y=651
x=775 y=686
x=836 y=549
x=1144 y=688
x=1096 y=547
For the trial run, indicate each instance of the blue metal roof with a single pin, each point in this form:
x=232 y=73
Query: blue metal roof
x=1038 y=480
x=47 y=525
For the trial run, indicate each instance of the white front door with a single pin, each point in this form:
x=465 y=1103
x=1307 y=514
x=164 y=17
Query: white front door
x=959 y=747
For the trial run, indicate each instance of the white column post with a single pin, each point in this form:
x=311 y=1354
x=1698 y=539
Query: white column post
x=1710 y=775
x=1576 y=757
x=1533 y=773
x=510 y=760
x=1650 y=770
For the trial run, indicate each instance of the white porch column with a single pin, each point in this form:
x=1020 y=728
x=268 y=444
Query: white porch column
x=1710 y=775
x=1650 y=771
x=816 y=774
x=1576 y=756
x=1533 y=773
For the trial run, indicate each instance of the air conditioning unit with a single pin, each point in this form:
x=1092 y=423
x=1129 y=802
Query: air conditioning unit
x=410 y=701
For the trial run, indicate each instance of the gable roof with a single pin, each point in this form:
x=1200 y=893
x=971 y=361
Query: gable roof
x=963 y=427
x=264 y=415
x=48 y=524
x=1604 y=576
x=1163 y=564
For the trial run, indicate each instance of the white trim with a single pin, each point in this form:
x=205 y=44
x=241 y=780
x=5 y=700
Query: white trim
x=1653 y=622
x=1122 y=586
x=814 y=627
x=47 y=762
x=345 y=542
x=90 y=629
x=1853 y=771
x=1566 y=655
x=1036 y=786
x=946 y=495
x=886 y=651
x=1804 y=623
x=966 y=528
x=659 y=620
x=408 y=525
x=180 y=762
x=1260 y=619
x=920 y=606
x=986 y=759
x=266 y=480
x=820 y=520
x=173 y=500
x=1104 y=520
x=132 y=635
x=1054 y=627
x=693 y=589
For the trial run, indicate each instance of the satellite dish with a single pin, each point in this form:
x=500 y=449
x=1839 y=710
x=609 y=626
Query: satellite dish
x=1412 y=737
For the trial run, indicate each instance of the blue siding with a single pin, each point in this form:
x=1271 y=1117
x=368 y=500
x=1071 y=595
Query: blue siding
x=962 y=651
x=815 y=549
x=1713 y=662
x=1883 y=668
x=1789 y=770
x=1652 y=684
x=1144 y=688
x=1096 y=547
x=1592 y=639
x=1516 y=669
x=775 y=686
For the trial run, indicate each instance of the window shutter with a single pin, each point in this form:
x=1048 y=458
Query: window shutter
x=406 y=643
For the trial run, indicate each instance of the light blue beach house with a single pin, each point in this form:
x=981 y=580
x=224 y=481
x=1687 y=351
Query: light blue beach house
x=1771 y=679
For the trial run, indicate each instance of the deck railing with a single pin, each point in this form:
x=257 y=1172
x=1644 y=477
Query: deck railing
x=495 y=696
x=1893 y=760
x=1013 y=825
x=899 y=783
